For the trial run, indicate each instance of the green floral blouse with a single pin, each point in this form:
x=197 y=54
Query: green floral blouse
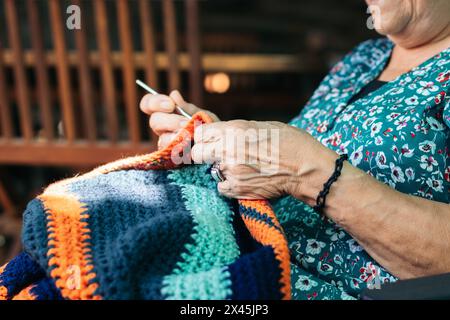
x=398 y=133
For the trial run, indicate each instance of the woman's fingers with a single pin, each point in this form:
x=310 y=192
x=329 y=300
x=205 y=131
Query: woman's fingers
x=165 y=139
x=150 y=104
x=157 y=103
x=225 y=188
x=179 y=101
x=209 y=132
x=189 y=107
x=206 y=152
x=234 y=190
x=165 y=122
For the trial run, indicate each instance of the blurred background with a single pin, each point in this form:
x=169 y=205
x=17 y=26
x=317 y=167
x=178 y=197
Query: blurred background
x=68 y=99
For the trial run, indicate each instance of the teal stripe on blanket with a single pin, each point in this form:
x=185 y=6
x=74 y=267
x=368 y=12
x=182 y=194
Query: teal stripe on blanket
x=214 y=244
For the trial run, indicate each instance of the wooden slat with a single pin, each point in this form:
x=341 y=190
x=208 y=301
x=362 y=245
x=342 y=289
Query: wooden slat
x=5 y=201
x=63 y=154
x=23 y=97
x=107 y=76
x=226 y=62
x=129 y=79
x=5 y=108
x=87 y=97
x=62 y=66
x=193 y=46
x=170 y=35
x=258 y=63
x=11 y=226
x=42 y=79
x=148 y=41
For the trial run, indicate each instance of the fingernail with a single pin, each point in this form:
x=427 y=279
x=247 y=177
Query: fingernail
x=183 y=123
x=166 y=105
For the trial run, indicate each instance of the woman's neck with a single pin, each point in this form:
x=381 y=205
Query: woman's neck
x=404 y=58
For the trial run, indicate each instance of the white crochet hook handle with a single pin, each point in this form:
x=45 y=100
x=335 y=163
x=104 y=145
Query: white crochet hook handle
x=150 y=90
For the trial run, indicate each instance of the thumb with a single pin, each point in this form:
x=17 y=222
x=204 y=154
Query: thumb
x=179 y=101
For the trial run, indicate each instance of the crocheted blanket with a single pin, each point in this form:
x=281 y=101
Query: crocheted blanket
x=144 y=228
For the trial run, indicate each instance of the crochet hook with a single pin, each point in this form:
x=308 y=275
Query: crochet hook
x=150 y=90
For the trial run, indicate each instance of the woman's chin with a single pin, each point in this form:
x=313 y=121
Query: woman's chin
x=380 y=30
x=373 y=2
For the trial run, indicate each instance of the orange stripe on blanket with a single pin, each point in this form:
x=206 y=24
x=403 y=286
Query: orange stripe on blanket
x=25 y=294
x=263 y=207
x=3 y=290
x=268 y=235
x=69 y=253
x=3 y=293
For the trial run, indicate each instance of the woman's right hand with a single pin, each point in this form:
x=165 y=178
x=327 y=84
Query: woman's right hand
x=163 y=121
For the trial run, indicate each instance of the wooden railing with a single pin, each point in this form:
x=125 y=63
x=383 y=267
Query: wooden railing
x=56 y=121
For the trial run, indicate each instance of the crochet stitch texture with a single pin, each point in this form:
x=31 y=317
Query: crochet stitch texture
x=143 y=228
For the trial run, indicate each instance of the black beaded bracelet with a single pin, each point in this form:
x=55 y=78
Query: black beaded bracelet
x=320 y=201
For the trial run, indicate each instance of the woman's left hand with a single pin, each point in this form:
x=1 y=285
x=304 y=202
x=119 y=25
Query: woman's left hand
x=264 y=160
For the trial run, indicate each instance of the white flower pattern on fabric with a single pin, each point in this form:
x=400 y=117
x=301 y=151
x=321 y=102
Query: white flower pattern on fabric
x=356 y=156
x=428 y=163
x=314 y=247
x=380 y=159
x=412 y=101
x=305 y=283
x=427 y=88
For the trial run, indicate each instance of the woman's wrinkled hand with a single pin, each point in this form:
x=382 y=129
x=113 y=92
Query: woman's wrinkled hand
x=264 y=160
x=164 y=122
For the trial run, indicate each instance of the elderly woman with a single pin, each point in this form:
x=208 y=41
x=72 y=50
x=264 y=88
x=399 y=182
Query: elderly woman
x=386 y=105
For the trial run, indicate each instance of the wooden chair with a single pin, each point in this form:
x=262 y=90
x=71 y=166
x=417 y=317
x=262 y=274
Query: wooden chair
x=65 y=109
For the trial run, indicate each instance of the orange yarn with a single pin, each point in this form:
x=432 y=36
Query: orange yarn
x=263 y=207
x=268 y=235
x=68 y=239
x=3 y=290
x=3 y=293
x=25 y=294
x=160 y=159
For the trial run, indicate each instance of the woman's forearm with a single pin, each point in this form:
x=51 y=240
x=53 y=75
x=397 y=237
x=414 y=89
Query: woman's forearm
x=408 y=235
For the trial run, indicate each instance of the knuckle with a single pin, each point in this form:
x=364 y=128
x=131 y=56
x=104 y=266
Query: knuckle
x=196 y=154
x=199 y=132
x=161 y=143
x=233 y=169
x=238 y=188
x=226 y=192
x=238 y=170
x=154 y=102
x=224 y=167
x=154 y=121
x=239 y=124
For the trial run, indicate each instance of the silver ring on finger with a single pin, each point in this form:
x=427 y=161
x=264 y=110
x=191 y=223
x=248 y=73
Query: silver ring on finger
x=216 y=173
